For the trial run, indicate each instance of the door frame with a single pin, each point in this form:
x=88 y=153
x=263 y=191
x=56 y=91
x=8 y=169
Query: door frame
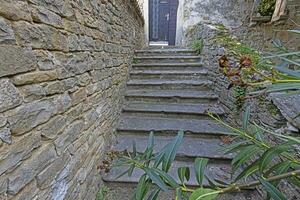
x=146 y=17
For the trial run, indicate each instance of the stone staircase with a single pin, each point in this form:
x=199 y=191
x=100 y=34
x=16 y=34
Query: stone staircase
x=169 y=91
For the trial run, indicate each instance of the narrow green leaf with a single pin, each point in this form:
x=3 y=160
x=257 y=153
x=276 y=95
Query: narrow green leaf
x=178 y=194
x=204 y=194
x=167 y=178
x=295 y=180
x=156 y=179
x=278 y=167
x=246 y=117
x=131 y=168
x=294 y=31
x=248 y=171
x=134 y=151
x=183 y=173
x=244 y=154
x=154 y=194
x=171 y=151
x=213 y=184
x=122 y=174
x=200 y=164
x=272 y=191
x=141 y=189
x=268 y=156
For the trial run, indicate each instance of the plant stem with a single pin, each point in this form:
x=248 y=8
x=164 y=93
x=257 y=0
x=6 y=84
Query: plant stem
x=238 y=187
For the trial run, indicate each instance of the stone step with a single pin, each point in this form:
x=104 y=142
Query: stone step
x=168 y=59
x=192 y=146
x=214 y=170
x=168 y=125
x=167 y=66
x=179 y=96
x=165 y=52
x=169 y=74
x=124 y=191
x=169 y=84
x=171 y=110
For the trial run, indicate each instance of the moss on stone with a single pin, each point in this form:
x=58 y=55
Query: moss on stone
x=266 y=7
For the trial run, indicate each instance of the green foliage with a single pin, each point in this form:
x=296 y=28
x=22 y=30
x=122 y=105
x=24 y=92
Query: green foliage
x=266 y=7
x=239 y=94
x=198 y=46
x=102 y=194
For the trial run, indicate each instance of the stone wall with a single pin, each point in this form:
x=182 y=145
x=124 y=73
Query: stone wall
x=234 y=15
x=63 y=67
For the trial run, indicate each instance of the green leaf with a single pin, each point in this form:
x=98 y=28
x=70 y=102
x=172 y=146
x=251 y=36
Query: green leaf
x=183 y=173
x=178 y=194
x=268 y=156
x=282 y=166
x=246 y=117
x=154 y=194
x=171 y=151
x=213 y=184
x=159 y=158
x=204 y=194
x=248 y=171
x=142 y=188
x=134 y=151
x=272 y=191
x=131 y=168
x=200 y=164
x=244 y=155
x=156 y=179
x=167 y=178
x=294 y=31
x=295 y=180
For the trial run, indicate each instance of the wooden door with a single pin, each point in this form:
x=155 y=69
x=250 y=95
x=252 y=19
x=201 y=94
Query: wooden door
x=162 y=20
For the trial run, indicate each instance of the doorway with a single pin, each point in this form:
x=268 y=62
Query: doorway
x=162 y=21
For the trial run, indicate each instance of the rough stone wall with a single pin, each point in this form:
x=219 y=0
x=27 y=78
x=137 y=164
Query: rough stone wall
x=235 y=15
x=63 y=67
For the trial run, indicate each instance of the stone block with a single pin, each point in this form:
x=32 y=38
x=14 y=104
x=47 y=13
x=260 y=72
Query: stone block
x=86 y=43
x=72 y=132
x=40 y=36
x=73 y=43
x=56 y=87
x=45 y=16
x=46 y=177
x=78 y=96
x=30 y=168
x=45 y=60
x=34 y=77
x=32 y=92
x=73 y=64
x=7 y=35
x=53 y=128
x=63 y=8
x=62 y=103
x=28 y=116
x=83 y=79
x=18 y=150
x=3 y=120
x=15 y=10
x=15 y=60
x=9 y=95
x=5 y=135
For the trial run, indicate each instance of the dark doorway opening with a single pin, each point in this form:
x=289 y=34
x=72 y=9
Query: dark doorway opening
x=162 y=21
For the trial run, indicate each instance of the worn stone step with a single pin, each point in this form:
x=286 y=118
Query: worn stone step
x=171 y=110
x=192 y=146
x=214 y=170
x=167 y=66
x=168 y=59
x=169 y=84
x=124 y=191
x=179 y=96
x=166 y=125
x=166 y=52
x=169 y=74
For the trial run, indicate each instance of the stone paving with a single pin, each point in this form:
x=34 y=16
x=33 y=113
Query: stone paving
x=169 y=91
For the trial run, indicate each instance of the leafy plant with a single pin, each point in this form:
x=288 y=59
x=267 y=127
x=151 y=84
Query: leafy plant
x=266 y=7
x=102 y=194
x=198 y=46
